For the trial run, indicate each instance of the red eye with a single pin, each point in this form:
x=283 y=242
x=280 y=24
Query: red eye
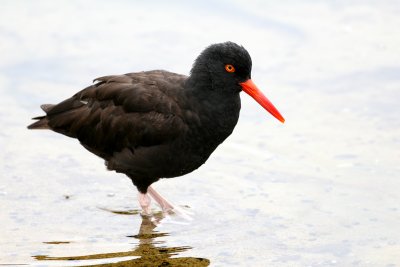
x=229 y=68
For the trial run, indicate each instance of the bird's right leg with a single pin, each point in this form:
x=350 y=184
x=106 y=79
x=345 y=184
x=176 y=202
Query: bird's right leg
x=145 y=201
x=165 y=205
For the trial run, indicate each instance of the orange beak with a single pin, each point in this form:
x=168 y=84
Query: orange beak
x=251 y=89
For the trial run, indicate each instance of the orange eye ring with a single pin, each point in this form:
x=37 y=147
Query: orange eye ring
x=229 y=68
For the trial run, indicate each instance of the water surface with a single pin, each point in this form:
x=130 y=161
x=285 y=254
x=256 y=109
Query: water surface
x=319 y=190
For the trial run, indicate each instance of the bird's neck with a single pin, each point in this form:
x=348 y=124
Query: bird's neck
x=199 y=81
x=216 y=111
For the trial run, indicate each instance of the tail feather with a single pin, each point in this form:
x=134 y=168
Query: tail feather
x=43 y=122
x=47 y=107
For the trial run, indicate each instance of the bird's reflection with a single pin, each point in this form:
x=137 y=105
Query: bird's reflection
x=149 y=251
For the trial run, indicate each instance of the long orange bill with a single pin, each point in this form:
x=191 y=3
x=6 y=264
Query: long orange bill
x=251 y=89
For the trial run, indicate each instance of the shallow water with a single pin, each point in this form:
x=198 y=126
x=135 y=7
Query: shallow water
x=319 y=190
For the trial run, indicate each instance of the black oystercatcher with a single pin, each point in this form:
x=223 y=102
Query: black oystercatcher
x=157 y=124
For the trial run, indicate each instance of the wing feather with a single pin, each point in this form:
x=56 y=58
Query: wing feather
x=122 y=112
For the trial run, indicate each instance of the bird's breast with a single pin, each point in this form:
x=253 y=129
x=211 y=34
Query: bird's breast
x=210 y=123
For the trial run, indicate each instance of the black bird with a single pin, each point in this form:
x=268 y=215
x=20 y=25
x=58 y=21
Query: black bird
x=158 y=124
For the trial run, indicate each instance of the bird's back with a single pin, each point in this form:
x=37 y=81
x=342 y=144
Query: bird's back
x=134 y=111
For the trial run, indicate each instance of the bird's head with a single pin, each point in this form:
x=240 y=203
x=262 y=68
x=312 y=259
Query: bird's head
x=228 y=67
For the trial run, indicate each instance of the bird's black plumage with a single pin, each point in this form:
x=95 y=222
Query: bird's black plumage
x=156 y=124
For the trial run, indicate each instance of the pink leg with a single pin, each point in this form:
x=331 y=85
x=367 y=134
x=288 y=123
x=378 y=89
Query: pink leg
x=144 y=201
x=164 y=204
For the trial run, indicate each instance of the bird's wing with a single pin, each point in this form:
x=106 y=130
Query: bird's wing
x=125 y=111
